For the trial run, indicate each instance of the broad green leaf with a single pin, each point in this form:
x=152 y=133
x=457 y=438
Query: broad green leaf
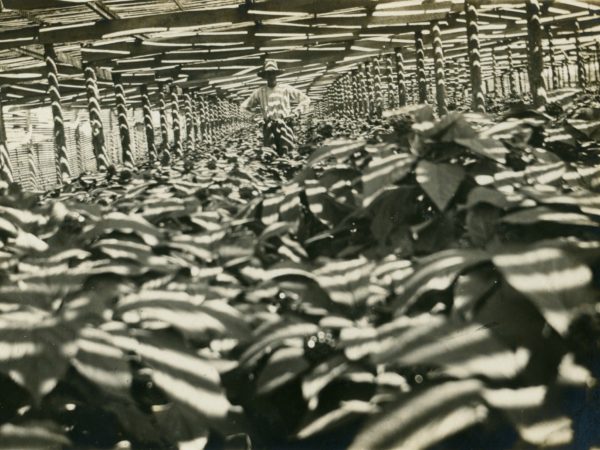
x=191 y=314
x=489 y=148
x=186 y=378
x=346 y=282
x=383 y=172
x=440 y=181
x=284 y=365
x=424 y=417
x=552 y=278
x=36 y=349
x=316 y=423
x=540 y=214
x=273 y=336
x=32 y=436
x=102 y=362
x=340 y=150
x=436 y=272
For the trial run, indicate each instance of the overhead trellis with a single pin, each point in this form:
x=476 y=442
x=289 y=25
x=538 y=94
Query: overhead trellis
x=216 y=46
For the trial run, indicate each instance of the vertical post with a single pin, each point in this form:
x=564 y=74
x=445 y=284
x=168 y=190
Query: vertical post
x=536 y=56
x=477 y=97
x=400 y=77
x=452 y=82
x=148 y=126
x=196 y=117
x=421 y=75
x=440 y=78
x=552 y=52
x=511 y=73
x=34 y=175
x=128 y=159
x=377 y=84
x=6 y=173
x=390 y=89
x=98 y=143
x=178 y=149
x=164 y=130
x=581 y=76
x=62 y=162
x=597 y=55
x=189 y=126
x=355 y=94
x=362 y=91
x=370 y=91
x=495 y=74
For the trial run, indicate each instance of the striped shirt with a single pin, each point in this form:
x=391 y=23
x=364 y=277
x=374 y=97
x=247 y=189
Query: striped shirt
x=275 y=103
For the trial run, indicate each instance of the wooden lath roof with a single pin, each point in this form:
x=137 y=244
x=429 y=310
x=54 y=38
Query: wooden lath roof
x=219 y=44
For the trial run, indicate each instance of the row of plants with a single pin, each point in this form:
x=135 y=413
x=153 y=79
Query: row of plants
x=409 y=282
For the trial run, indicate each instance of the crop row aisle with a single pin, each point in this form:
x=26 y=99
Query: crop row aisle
x=405 y=256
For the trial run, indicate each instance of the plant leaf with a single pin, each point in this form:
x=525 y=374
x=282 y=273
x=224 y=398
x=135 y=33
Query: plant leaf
x=440 y=181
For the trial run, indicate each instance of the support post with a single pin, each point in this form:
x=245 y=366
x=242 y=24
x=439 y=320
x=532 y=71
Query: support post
x=362 y=91
x=495 y=75
x=189 y=126
x=98 y=143
x=165 y=153
x=581 y=75
x=148 y=126
x=536 y=55
x=421 y=75
x=477 y=97
x=440 y=78
x=400 y=76
x=6 y=173
x=63 y=170
x=178 y=148
x=552 y=52
x=128 y=159
x=196 y=113
x=390 y=89
x=511 y=73
x=378 y=86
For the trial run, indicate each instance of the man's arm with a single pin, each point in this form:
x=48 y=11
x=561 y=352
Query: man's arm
x=251 y=101
x=303 y=100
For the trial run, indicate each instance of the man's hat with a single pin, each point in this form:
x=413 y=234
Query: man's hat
x=270 y=67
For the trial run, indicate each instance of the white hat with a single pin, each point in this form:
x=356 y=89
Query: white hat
x=270 y=67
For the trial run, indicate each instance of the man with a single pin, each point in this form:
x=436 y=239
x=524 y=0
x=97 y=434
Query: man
x=275 y=101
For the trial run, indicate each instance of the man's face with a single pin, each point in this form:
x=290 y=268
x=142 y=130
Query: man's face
x=271 y=79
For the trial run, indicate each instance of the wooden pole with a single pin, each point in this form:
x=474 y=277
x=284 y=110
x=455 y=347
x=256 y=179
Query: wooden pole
x=148 y=125
x=98 y=143
x=536 y=55
x=189 y=126
x=581 y=75
x=511 y=73
x=421 y=75
x=127 y=151
x=370 y=87
x=6 y=173
x=400 y=76
x=440 y=77
x=552 y=52
x=197 y=115
x=362 y=91
x=597 y=56
x=477 y=97
x=390 y=89
x=63 y=170
x=495 y=75
x=178 y=148
x=165 y=152
x=378 y=86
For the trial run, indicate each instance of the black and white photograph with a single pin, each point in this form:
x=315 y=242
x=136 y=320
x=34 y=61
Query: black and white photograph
x=299 y=224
